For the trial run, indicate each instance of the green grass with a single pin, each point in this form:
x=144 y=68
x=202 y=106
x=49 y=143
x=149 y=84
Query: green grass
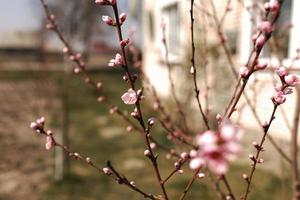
x=95 y=133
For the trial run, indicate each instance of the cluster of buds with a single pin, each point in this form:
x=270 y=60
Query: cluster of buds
x=75 y=58
x=109 y=21
x=283 y=89
x=106 y=2
x=117 y=61
x=38 y=126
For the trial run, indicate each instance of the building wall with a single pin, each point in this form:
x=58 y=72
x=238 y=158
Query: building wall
x=238 y=25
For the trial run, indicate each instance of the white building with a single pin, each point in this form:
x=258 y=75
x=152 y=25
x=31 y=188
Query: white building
x=238 y=29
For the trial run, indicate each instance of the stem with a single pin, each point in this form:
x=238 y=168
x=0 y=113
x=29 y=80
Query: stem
x=259 y=150
x=173 y=93
x=294 y=150
x=188 y=187
x=197 y=92
x=152 y=157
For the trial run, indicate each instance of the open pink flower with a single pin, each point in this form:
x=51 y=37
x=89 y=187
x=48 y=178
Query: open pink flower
x=216 y=149
x=118 y=61
x=129 y=97
x=292 y=80
x=279 y=98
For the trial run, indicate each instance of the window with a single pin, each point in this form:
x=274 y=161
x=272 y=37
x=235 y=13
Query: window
x=281 y=34
x=173 y=28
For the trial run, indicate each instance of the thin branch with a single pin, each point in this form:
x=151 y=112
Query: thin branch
x=87 y=160
x=188 y=187
x=171 y=81
x=259 y=148
x=194 y=69
x=140 y=118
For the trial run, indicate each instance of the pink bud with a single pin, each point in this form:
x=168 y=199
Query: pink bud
x=49 y=26
x=244 y=71
x=106 y=171
x=278 y=98
x=274 y=5
x=147 y=153
x=108 y=20
x=196 y=163
x=122 y=18
x=66 y=50
x=34 y=125
x=49 y=142
x=152 y=145
x=281 y=71
x=261 y=64
x=124 y=43
x=219 y=118
x=184 y=155
x=192 y=70
x=113 y=2
x=261 y=40
x=201 y=175
x=266 y=27
x=102 y=2
x=292 y=80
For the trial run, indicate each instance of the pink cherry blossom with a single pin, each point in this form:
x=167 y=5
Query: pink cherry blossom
x=129 y=97
x=292 y=80
x=281 y=71
x=118 y=61
x=278 y=98
x=216 y=149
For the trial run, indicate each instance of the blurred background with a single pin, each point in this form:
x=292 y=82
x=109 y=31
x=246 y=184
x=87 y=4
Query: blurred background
x=37 y=80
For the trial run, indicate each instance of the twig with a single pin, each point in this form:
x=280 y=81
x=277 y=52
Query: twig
x=88 y=161
x=171 y=81
x=152 y=157
x=194 y=69
x=259 y=150
x=188 y=187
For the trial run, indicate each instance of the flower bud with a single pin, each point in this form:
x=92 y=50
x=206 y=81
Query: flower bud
x=184 y=155
x=106 y=171
x=108 y=20
x=266 y=27
x=244 y=72
x=147 y=153
x=260 y=41
x=201 y=175
x=122 y=18
x=151 y=121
